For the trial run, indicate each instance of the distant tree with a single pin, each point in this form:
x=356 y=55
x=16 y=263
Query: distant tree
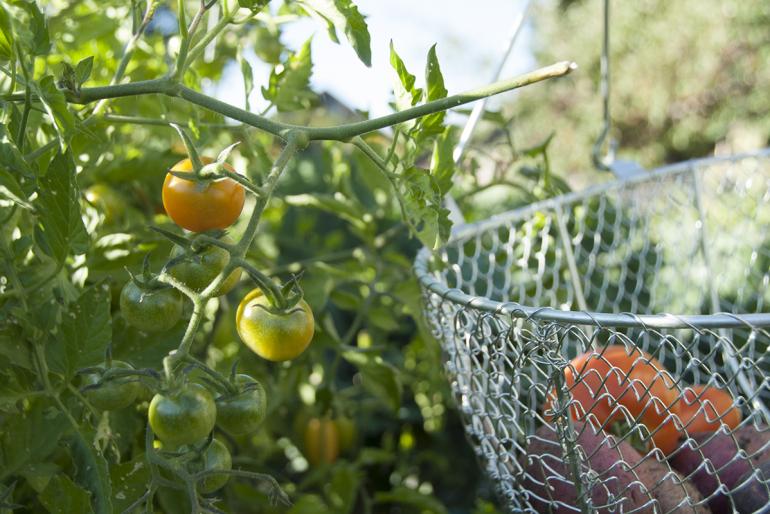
x=688 y=77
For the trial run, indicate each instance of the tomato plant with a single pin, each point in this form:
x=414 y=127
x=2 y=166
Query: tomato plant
x=272 y=333
x=100 y=99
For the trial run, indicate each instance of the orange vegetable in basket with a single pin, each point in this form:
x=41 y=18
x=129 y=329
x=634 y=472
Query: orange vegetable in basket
x=612 y=385
x=705 y=408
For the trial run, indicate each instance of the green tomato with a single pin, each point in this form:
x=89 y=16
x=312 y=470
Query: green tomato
x=107 y=201
x=183 y=416
x=275 y=336
x=150 y=310
x=216 y=457
x=348 y=433
x=114 y=394
x=242 y=413
x=198 y=272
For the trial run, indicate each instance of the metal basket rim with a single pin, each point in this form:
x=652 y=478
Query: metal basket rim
x=600 y=319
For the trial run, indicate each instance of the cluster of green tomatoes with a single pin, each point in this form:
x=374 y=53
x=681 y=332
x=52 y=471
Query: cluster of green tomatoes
x=183 y=414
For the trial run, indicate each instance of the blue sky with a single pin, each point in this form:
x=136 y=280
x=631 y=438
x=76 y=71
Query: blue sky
x=470 y=42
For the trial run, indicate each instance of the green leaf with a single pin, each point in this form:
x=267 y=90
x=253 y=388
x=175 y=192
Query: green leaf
x=309 y=504
x=442 y=166
x=248 y=78
x=86 y=330
x=404 y=91
x=289 y=85
x=11 y=164
x=92 y=472
x=6 y=36
x=61 y=226
x=435 y=90
x=55 y=104
x=343 y=488
x=129 y=482
x=409 y=497
x=63 y=496
x=378 y=376
x=422 y=201
x=343 y=15
x=29 y=438
x=30 y=27
x=254 y=5
x=83 y=69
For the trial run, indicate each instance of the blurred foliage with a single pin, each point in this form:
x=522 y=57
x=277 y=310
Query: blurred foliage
x=686 y=77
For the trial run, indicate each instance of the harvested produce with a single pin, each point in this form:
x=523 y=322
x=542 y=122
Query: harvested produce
x=621 y=473
x=721 y=449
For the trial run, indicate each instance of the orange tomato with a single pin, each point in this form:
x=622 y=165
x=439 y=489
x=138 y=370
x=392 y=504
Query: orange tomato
x=612 y=385
x=705 y=408
x=322 y=441
x=201 y=206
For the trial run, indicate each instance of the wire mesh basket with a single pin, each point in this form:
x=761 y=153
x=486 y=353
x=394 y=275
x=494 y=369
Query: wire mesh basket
x=533 y=307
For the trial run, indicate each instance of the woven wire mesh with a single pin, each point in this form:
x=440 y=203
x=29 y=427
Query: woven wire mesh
x=514 y=299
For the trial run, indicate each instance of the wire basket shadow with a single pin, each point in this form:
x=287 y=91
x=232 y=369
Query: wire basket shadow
x=672 y=267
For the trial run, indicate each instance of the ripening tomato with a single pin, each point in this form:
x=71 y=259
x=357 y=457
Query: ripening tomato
x=202 y=205
x=274 y=335
x=322 y=441
x=107 y=201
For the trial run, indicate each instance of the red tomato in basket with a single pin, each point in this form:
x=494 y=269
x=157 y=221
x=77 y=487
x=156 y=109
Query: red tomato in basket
x=612 y=385
x=705 y=408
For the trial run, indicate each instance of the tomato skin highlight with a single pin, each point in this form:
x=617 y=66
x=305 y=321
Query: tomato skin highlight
x=275 y=336
x=242 y=413
x=115 y=394
x=198 y=272
x=150 y=311
x=216 y=457
x=201 y=206
x=322 y=441
x=183 y=416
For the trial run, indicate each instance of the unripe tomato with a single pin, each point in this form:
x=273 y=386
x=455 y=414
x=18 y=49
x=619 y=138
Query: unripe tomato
x=197 y=272
x=183 y=416
x=151 y=310
x=322 y=441
x=107 y=201
x=242 y=413
x=216 y=457
x=274 y=335
x=113 y=394
x=348 y=433
x=205 y=205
